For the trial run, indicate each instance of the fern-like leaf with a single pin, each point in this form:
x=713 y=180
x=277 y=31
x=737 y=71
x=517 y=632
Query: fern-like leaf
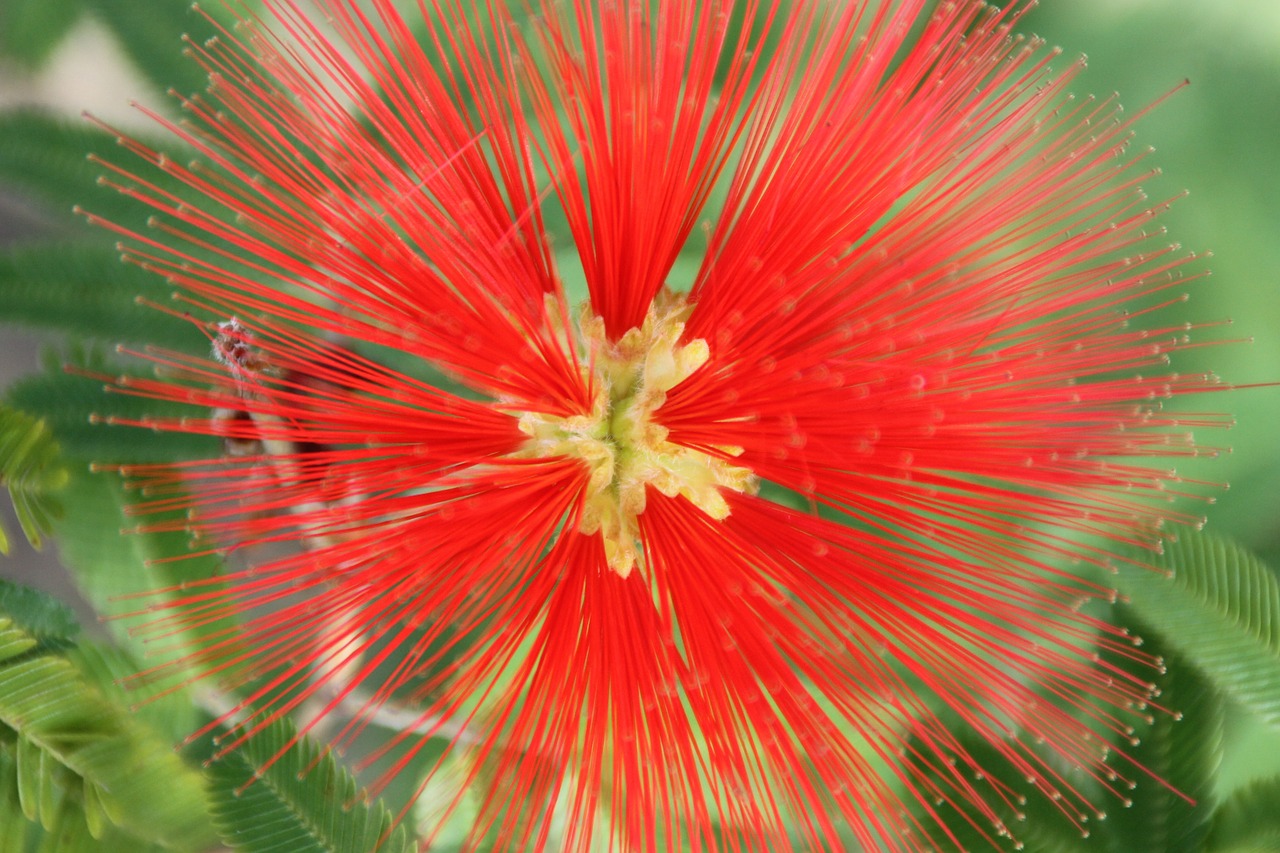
x=83 y=416
x=1249 y=820
x=281 y=793
x=46 y=619
x=952 y=822
x=169 y=711
x=86 y=290
x=1183 y=747
x=151 y=31
x=31 y=29
x=31 y=469
x=112 y=570
x=49 y=158
x=73 y=757
x=1218 y=606
x=73 y=831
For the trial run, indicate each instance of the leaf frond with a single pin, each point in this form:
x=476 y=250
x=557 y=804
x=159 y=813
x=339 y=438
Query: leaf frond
x=282 y=793
x=1182 y=746
x=1249 y=820
x=70 y=756
x=1218 y=606
x=31 y=469
x=86 y=290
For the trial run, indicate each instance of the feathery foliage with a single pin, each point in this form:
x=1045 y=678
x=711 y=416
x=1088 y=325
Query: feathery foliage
x=84 y=289
x=279 y=793
x=1218 y=606
x=73 y=754
x=1249 y=820
x=31 y=29
x=1171 y=807
x=30 y=468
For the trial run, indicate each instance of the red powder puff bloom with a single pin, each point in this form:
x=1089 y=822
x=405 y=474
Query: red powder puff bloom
x=693 y=557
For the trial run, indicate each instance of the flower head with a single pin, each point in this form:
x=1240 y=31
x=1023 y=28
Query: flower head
x=706 y=545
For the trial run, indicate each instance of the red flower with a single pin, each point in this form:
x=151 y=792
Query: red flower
x=701 y=552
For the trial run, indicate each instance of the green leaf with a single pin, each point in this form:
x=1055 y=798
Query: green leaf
x=88 y=291
x=48 y=620
x=111 y=569
x=14 y=822
x=1219 y=607
x=31 y=469
x=170 y=712
x=1249 y=821
x=68 y=746
x=73 y=831
x=80 y=412
x=1033 y=819
x=1183 y=749
x=48 y=158
x=31 y=29
x=279 y=793
x=114 y=571
x=151 y=31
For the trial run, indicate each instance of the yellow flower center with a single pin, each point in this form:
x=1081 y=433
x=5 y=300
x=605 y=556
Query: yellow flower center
x=624 y=449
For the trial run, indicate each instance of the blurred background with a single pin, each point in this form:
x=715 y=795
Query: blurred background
x=1219 y=138
x=84 y=70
